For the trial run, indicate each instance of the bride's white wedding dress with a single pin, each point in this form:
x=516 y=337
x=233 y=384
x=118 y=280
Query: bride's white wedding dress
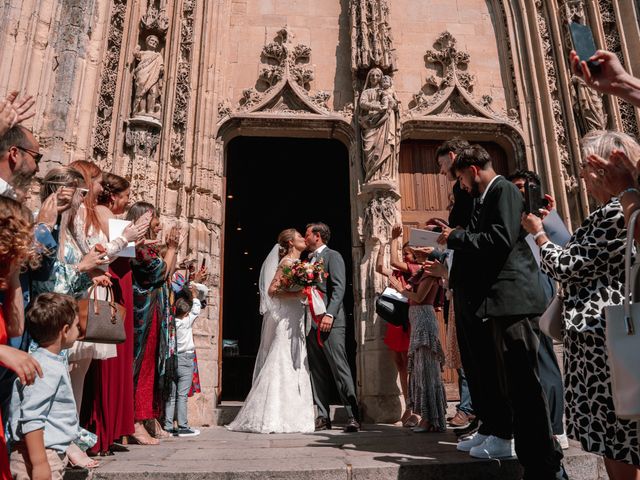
x=280 y=400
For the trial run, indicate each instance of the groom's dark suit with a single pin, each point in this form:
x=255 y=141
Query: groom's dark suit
x=328 y=364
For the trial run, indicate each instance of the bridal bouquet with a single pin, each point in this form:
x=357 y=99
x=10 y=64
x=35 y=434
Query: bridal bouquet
x=301 y=274
x=306 y=276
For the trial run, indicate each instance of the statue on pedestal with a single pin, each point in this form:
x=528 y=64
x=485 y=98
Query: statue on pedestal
x=379 y=118
x=148 y=75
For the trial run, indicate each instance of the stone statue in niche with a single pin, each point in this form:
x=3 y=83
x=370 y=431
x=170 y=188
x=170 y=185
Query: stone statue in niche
x=148 y=77
x=379 y=119
x=587 y=107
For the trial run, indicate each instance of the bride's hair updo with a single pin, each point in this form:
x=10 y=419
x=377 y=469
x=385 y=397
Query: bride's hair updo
x=284 y=238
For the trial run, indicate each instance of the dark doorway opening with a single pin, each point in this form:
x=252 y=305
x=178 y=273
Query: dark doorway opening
x=273 y=184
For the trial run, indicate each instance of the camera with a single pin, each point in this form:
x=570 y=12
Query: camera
x=438 y=256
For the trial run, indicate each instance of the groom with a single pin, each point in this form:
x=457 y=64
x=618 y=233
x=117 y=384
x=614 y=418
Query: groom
x=328 y=362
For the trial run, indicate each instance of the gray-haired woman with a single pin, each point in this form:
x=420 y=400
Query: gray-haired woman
x=590 y=269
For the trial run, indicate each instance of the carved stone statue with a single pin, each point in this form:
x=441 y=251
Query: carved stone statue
x=148 y=76
x=587 y=107
x=379 y=118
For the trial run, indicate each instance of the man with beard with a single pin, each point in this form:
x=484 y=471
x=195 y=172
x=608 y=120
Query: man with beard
x=19 y=158
x=504 y=295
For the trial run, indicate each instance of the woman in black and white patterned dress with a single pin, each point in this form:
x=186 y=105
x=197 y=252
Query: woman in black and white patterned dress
x=590 y=269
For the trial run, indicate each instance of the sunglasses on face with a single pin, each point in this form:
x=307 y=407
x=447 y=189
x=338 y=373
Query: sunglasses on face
x=37 y=156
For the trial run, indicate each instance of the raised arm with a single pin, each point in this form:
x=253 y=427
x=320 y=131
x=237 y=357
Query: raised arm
x=380 y=268
x=396 y=260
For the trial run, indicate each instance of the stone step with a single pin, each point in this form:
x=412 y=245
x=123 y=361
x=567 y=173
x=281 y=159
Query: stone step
x=380 y=452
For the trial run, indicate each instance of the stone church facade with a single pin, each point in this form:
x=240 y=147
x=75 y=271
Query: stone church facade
x=156 y=90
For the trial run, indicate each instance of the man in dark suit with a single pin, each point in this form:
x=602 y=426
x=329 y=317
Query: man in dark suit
x=326 y=341
x=505 y=294
x=459 y=216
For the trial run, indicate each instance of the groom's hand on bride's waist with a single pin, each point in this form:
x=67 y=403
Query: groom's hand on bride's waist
x=326 y=323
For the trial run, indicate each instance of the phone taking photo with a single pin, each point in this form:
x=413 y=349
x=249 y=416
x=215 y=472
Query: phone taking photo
x=533 y=199
x=584 y=45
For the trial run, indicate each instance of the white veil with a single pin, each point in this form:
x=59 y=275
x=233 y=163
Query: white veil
x=268 y=307
x=267 y=272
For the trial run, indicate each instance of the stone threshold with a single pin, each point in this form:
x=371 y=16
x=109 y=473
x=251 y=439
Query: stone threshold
x=380 y=452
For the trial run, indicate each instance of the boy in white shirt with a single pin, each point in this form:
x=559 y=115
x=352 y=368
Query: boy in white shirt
x=186 y=312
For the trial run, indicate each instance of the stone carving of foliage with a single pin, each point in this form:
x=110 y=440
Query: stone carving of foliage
x=570 y=180
x=380 y=215
x=183 y=84
x=281 y=55
x=108 y=81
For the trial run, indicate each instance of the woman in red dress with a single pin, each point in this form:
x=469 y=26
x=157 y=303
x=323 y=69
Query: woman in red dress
x=111 y=412
x=16 y=247
x=397 y=338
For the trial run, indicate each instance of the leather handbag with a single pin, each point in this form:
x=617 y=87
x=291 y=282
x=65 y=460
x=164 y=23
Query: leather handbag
x=623 y=339
x=101 y=321
x=392 y=310
x=551 y=321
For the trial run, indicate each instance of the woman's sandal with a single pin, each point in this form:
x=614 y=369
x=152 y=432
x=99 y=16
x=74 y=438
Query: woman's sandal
x=141 y=436
x=412 y=421
x=144 y=439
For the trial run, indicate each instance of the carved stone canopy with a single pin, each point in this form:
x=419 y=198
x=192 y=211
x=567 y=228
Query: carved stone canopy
x=450 y=90
x=287 y=75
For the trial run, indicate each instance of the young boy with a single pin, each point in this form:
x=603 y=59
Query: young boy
x=43 y=420
x=187 y=308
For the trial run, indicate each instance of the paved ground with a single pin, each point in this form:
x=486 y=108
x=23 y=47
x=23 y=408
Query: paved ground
x=380 y=452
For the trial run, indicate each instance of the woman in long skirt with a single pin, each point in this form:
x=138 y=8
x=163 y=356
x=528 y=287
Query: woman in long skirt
x=426 y=356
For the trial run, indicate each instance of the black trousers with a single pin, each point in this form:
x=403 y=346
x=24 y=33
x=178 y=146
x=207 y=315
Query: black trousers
x=477 y=352
x=329 y=365
x=551 y=380
x=516 y=346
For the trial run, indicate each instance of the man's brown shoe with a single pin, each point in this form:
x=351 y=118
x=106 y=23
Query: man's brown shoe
x=352 y=426
x=322 y=423
x=461 y=419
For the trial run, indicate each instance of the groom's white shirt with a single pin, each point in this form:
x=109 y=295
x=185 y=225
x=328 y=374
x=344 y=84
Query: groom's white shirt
x=316 y=253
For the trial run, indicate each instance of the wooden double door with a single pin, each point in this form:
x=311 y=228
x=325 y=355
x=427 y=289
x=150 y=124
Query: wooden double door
x=425 y=195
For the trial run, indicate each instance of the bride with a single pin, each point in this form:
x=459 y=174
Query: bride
x=280 y=400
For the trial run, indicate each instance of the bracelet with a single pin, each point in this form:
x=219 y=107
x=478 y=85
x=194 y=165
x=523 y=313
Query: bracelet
x=628 y=190
x=539 y=234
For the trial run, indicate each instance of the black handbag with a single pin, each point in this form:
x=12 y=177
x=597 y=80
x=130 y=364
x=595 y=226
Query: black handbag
x=392 y=310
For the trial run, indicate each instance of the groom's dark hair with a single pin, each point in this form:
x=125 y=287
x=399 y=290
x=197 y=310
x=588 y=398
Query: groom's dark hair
x=321 y=228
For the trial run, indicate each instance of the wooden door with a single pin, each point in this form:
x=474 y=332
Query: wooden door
x=425 y=195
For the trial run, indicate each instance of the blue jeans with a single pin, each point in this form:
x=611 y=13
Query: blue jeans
x=177 y=403
x=465 y=405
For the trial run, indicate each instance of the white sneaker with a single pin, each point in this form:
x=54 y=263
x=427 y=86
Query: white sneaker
x=494 y=447
x=472 y=441
x=563 y=440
